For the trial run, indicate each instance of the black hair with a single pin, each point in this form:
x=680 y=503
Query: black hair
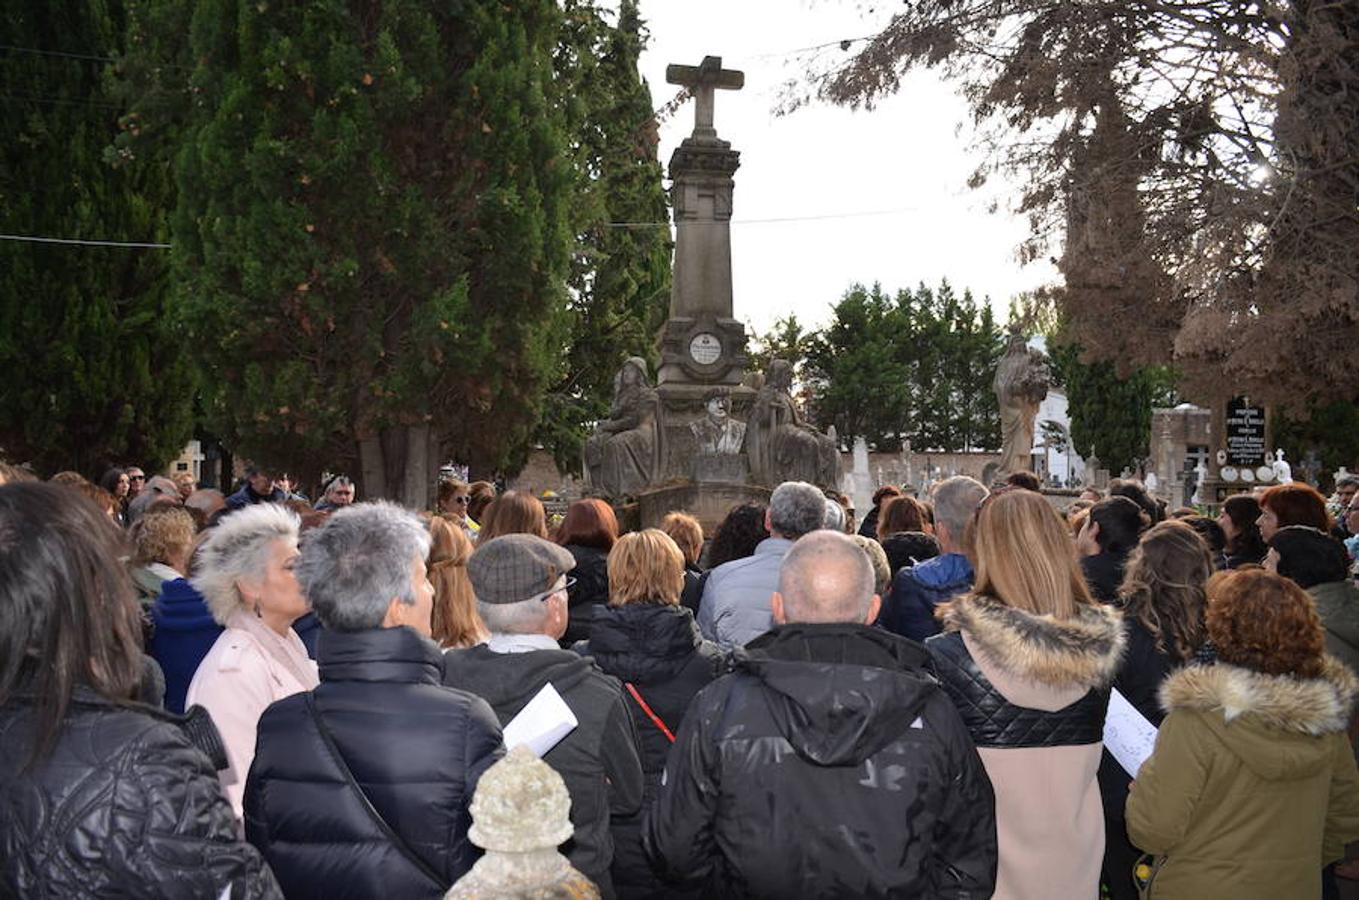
x=1121 y=522
x=739 y=533
x=1244 y=511
x=1134 y=491
x=1210 y=531
x=68 y=616
x=1309 y=556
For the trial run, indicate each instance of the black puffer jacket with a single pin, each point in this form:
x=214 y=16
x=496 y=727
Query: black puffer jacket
x=659 y=651
x=598 y=760
x=125 y=806
x=591 y=588
x=416 y=747
x=827 y=765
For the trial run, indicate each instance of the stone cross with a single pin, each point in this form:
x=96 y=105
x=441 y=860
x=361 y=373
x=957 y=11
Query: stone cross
x=702 y=80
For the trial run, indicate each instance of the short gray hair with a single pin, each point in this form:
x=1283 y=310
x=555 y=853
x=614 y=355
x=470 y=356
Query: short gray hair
x=796 y=508
x=835 y=516
x=826 y=577
x=955 y=502
x=358 y=561
x=524 y=617
x=1350 y=480
x=238 y=550
x=877 y=558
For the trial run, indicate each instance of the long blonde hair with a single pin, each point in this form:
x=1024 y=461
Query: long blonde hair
x=1025 y=556
x=454 y=622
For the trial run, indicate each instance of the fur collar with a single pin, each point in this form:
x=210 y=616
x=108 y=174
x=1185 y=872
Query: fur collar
x=1085 y=650
x=1307 y=706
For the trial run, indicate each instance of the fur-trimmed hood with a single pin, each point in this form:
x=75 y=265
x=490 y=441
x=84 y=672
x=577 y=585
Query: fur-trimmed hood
x=1271 y=723
x=1085 y=650
x=1310 y=706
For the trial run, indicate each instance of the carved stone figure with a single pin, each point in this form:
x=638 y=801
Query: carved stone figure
x=520 y=813
x=718 y=432
x=624 y=454
x=780 y=444
x=1283 y=472
x=1021 y=383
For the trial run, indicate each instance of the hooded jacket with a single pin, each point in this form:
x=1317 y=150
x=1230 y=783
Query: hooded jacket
x=125 y=806
x=659 y=651
x=1338 y=605
x=918 y=589
x=184 y=631
x=1033 y=691
x=1252 y=786
x=598 y=760
x=828 y=764
x=415 y=747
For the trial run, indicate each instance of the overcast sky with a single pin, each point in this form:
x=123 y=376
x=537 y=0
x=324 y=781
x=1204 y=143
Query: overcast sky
x=906 y=161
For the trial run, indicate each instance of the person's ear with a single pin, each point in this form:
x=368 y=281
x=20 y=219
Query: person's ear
x=768 y=522
x=397 y=614
x=776 y=604
x=874 y=607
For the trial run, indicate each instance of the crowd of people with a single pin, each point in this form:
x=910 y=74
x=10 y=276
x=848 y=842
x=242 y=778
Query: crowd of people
x=253 y=695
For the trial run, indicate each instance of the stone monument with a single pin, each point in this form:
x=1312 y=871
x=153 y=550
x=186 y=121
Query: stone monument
x=1021 y=383
x=703 y=439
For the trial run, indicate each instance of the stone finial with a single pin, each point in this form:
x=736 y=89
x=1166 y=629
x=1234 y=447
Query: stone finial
x=520 y=814
x=521 y=804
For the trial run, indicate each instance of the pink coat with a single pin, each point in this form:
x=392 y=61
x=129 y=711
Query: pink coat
x=249 y=667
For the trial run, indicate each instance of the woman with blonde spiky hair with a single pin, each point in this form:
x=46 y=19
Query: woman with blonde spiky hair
x=245 y=573
x=1027 y=657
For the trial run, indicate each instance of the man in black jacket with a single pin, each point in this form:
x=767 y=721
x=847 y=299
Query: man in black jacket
x=520 y=583
x=828 y=764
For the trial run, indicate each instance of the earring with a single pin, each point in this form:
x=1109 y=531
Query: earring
x=258 y=614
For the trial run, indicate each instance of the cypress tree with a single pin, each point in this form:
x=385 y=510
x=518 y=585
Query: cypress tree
x=94 y=370
x=372 y=231
x=619 y=283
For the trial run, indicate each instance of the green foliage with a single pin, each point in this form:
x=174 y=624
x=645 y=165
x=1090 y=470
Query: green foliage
x=1110 y=413
x=1330 y=430
x=619 y=282
x=372 y=229
x=787 y=340
x=915 y=366
x=94 y=370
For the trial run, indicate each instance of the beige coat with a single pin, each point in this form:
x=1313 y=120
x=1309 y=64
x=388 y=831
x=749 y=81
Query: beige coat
x=249 y=667
x=1049 y=819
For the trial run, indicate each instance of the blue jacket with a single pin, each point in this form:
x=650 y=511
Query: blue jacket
x=246 y=497
x=736 y=600
x=918 y=589
x=308 y=628
x=184 y=633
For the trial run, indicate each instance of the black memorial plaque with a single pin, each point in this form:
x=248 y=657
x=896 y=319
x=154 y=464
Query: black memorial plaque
x=1245 y=434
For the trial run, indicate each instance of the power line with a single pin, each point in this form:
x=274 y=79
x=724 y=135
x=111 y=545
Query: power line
x=83 y=243
x=37 y=52
x=778 y=219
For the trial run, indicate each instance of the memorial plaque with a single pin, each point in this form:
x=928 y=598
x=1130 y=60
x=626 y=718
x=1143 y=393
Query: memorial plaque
x=1245 y=433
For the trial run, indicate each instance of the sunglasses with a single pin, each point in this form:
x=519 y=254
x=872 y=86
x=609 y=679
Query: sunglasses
x=463 y=500
x=136 y=478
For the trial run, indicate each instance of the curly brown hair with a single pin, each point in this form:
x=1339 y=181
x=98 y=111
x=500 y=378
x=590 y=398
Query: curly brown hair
x=1165 y=587
x=1266 y=623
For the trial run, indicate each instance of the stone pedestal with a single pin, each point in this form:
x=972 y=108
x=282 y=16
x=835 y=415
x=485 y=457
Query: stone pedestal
x=707 y=501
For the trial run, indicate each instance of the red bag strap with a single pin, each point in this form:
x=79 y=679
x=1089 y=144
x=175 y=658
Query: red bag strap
x=650 y=713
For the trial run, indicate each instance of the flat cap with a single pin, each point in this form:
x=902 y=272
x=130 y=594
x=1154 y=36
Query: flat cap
x=515 y=567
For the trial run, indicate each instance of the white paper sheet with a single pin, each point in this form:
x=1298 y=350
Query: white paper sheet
x=1127 y=733
x=542 y=723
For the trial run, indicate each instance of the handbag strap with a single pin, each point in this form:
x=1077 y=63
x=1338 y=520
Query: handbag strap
x=650 y=713
x=395 y=839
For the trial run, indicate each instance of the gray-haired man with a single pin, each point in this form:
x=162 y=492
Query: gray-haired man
x=735 y=606
x=520 y=582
